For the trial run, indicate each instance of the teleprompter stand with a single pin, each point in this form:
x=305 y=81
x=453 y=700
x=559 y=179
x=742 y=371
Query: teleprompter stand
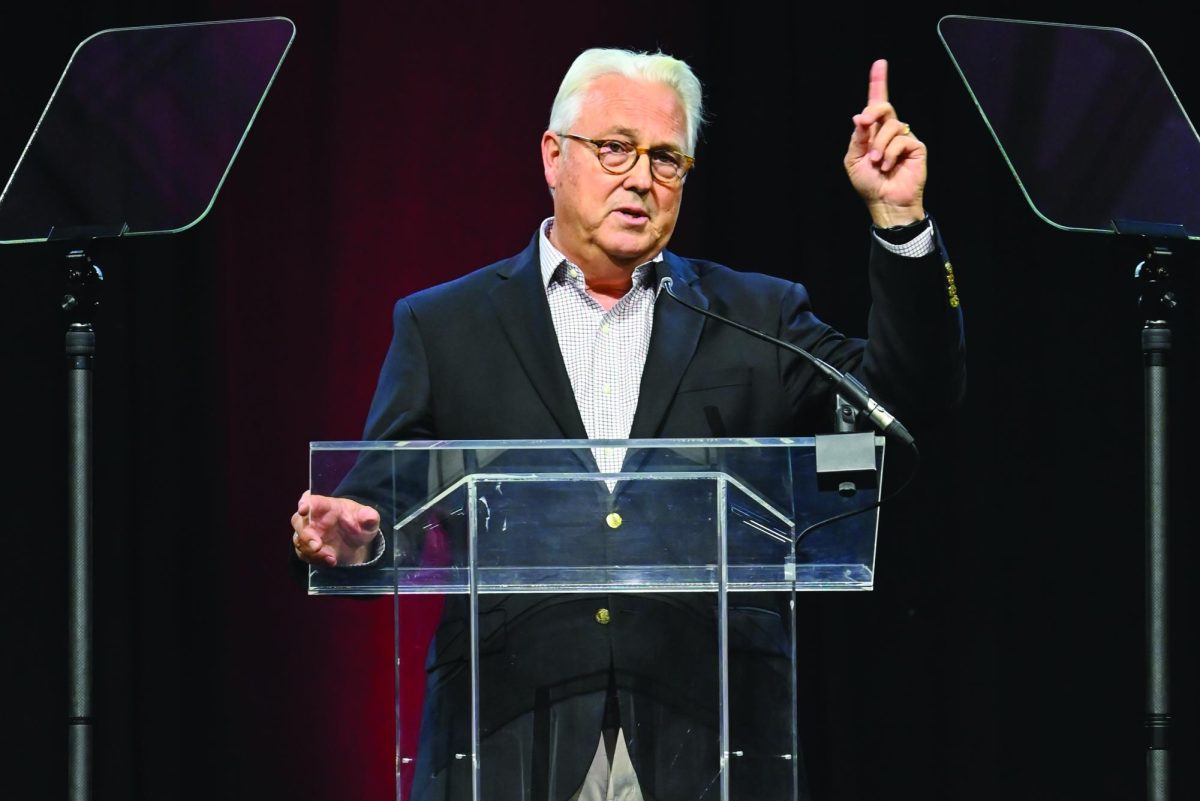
x=135 y=140
x=1099 y=143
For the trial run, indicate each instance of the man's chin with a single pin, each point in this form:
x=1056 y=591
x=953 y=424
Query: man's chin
x=633 y=250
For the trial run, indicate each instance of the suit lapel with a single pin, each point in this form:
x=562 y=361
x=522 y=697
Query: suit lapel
x=672 y=345
x=519 y=298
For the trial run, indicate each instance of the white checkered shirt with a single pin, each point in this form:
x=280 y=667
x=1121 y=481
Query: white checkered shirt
x=604 y=351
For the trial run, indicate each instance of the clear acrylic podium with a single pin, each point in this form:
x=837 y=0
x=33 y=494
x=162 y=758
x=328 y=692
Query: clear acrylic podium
x=657 y=602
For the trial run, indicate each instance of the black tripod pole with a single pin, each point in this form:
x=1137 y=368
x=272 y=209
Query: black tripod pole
x=80 y=300
x=1157 y=300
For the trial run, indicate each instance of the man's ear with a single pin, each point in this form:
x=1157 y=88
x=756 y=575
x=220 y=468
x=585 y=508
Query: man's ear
x=552 y=156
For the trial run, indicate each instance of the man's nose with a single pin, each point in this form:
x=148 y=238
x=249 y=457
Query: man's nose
x=640 y=179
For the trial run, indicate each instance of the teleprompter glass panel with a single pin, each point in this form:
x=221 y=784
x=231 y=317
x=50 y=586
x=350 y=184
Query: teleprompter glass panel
x=141 y=129
x=1087 y=122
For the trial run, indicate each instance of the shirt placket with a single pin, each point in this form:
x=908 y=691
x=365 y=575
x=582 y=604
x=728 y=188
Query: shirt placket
x=607 y=361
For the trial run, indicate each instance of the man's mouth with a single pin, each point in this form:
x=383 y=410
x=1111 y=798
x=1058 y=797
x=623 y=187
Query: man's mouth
x=632 y=214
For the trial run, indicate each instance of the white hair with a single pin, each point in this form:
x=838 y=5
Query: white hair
x=598 y=61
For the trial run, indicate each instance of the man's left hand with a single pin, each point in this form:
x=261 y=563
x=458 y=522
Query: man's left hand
x=885 y=160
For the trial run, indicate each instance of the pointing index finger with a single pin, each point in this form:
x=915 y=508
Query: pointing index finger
x=877 y=84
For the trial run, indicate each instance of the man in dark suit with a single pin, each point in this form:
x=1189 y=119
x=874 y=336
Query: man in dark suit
x=570 y=339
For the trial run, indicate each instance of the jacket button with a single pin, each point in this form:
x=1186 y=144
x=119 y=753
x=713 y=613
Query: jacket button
x=602 y=616
x=613 y=519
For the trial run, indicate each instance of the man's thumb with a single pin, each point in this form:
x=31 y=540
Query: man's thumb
x=367 y=520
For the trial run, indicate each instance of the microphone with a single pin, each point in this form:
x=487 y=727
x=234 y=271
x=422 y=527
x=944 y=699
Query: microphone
x=849 y=387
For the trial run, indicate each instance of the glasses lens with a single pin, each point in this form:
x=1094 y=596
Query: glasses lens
x=615 y=155
x=667 y=164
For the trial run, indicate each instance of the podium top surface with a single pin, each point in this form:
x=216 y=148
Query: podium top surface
x=562 y=444
x=692 y=515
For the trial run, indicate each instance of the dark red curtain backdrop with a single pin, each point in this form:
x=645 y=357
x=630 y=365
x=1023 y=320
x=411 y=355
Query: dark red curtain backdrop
x=1001 y=653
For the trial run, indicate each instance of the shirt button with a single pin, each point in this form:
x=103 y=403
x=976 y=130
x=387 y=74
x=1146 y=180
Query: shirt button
x=604 y=328
x=608 y=389
x=613 y=520
x=602 y=616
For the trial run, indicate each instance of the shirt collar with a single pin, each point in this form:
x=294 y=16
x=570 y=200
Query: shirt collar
x=552 y=258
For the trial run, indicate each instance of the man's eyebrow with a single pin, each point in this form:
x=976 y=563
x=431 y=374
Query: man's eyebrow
x=632 y=135
x=628 y=133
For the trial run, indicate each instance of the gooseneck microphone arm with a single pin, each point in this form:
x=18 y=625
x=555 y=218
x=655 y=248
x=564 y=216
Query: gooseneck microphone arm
x=849 y=387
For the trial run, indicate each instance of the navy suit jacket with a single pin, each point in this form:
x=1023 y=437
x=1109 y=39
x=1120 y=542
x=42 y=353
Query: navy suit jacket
x=478 y=358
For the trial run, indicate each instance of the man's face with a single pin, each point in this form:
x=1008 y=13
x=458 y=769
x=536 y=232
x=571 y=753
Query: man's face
x=624 y=219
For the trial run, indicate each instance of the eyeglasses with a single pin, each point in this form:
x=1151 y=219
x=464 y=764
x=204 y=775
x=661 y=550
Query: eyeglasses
x=667 y=165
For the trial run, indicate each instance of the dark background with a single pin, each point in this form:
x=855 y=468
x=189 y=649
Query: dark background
x=1001 y=654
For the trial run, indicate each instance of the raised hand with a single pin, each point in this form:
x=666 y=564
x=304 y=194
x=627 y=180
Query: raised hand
x=885 y=159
